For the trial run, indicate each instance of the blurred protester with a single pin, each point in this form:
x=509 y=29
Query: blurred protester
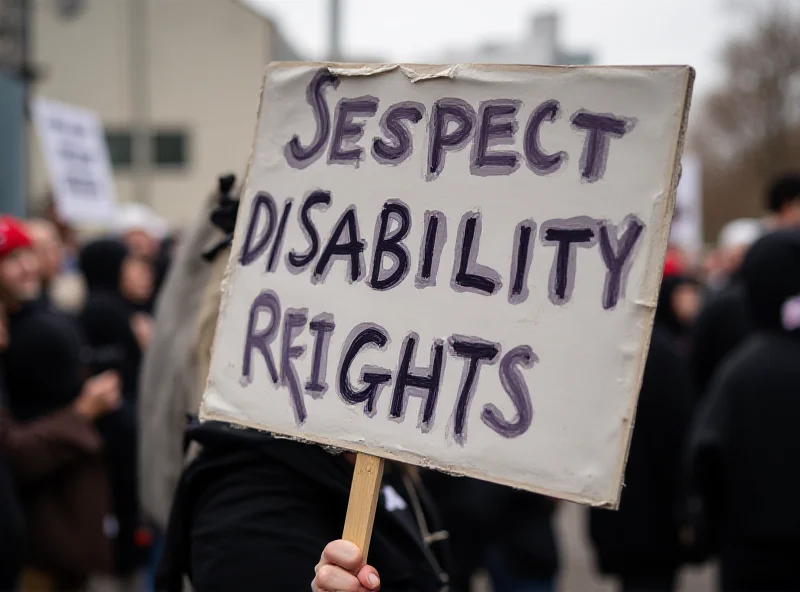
x=278 y=504
x=678 y=305
x=47 y=436
x=640 y=543
x=140 y=228
x=119 y=284
x=12 y=524
x=723 y=321
x=508 y=532
x=783 y=201
x=745 y=443
x=146 y=235
x=62 y=288
x=170 y=384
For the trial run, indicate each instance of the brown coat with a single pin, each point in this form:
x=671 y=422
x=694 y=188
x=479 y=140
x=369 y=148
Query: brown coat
x=57 y=463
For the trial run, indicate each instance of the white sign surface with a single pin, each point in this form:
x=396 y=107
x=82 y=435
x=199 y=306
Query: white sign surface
x=687 y=221
x=454 y=266
x=77 y=161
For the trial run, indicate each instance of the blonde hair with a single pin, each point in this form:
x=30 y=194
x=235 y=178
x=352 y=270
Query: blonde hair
x=207 y=323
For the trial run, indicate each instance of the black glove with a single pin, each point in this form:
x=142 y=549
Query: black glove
x=224 y=215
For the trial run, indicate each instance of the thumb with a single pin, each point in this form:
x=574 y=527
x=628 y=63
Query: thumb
x=368 y=576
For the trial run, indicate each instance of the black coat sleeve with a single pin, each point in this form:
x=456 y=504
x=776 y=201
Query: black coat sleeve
x=253 y=531
x=706 y=443
x=669 y=395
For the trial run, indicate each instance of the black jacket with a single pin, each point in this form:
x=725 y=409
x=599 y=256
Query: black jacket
x=641 y=538
x=722 y=325
x=106 y=317
x=477 y=514
x=745 y=444
x=44 y=362
x=12 y=543
x=254 y=513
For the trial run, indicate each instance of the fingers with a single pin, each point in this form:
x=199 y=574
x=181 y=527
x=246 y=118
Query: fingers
x=368 y=576
x=344 y=554
x=333 y=577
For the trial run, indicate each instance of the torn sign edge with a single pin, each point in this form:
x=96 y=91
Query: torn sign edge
x=661 y=221
x=476 y=72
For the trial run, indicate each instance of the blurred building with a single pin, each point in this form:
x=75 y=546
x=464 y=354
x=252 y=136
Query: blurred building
x=175 y=82
x=541 y=44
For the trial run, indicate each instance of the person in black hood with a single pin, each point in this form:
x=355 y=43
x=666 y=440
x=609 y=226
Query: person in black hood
x=640 y=542
x=279 y=504
x=678 y=305
x=745 y=443
x=119 y=285
x=723 y=322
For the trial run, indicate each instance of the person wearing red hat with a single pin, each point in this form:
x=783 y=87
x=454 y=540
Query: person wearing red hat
x=19 y=266
x=63 y=489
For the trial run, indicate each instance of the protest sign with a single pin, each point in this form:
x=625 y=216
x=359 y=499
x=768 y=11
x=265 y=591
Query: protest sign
x=687 y=221
x=77 y=161
x=453 y=266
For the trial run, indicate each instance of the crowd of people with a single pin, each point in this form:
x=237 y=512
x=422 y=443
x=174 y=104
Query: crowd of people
x=104 y=469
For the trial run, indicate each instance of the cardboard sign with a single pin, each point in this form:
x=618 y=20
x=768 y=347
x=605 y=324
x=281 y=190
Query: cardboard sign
x=453 y=266
x=77 y=161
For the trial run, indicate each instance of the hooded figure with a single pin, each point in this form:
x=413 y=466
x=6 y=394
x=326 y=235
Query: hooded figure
x=745 y=444
x=117 y=285
x=51 y=450
x=640 y=543
x=678 y=302
x=107 y=318
x=723 y=322
x=277 y=503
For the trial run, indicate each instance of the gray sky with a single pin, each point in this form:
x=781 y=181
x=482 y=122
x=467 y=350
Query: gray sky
x=617 y=31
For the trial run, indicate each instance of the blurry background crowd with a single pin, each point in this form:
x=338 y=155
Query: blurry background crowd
x=92 y=358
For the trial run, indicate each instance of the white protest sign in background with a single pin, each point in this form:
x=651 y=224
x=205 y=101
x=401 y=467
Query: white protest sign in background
x=453 y=266
x=77 y=161
x=687 y=222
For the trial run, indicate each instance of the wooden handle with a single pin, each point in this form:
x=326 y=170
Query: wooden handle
x=364 y=494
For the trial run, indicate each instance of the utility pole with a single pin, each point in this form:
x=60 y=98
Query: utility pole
x=140 y=100
x=335 y=32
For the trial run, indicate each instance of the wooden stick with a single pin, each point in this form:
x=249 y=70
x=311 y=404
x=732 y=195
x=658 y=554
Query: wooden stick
x=364 y=494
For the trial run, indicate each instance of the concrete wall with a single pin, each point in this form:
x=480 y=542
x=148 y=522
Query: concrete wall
x=204 y=62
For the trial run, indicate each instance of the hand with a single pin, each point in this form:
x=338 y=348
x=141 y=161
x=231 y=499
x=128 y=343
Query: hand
x=99 y=395
x=142 y=327
x=341 y=568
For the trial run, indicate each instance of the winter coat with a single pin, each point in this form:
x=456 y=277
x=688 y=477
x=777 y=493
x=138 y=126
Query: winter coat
x=641 y=538
x=58 y=469
x=745 y=444
x=170 y=384
x=276 y=503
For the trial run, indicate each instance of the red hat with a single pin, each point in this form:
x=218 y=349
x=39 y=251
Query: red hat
x=13 y=236
x=673 y=265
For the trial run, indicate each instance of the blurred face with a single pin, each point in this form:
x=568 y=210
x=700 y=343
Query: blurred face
x=142 y=244
x=48 y=248
x=136 y=281
x=19 y=277
x=790 y=215
x=686 y=303
x=733 y=257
